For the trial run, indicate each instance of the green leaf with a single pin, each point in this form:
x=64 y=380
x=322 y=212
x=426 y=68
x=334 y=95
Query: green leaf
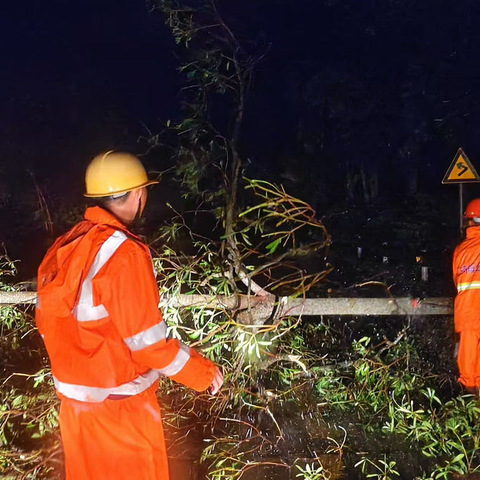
x=271 y=247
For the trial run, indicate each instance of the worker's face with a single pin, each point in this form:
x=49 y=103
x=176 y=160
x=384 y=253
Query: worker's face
x=135 y=205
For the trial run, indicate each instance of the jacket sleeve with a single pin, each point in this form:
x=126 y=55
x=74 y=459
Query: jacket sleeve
x=129 y=290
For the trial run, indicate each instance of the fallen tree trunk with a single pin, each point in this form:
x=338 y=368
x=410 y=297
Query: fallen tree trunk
x=367 y=306
x=261 y=308
x=17 y=298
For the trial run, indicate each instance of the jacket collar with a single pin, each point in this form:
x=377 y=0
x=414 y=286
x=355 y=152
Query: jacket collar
x=100 y=215
x=473 y=232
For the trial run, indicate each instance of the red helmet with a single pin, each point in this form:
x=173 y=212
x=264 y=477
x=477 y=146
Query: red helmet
x=473 y=209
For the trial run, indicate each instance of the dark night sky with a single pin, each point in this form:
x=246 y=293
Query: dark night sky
x=391 y=84
x=105 y=49
x=68 y=70
x=79 y=78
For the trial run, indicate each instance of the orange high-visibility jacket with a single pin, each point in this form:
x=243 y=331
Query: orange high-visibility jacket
x=466 y=275
x=98 y=313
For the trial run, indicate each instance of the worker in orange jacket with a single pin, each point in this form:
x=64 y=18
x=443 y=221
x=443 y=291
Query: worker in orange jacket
x=97 y=312
x=466 y=275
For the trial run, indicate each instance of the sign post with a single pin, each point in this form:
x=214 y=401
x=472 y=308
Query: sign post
x=461 y=171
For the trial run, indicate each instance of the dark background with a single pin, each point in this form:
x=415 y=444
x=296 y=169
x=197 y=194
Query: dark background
x=390 y=87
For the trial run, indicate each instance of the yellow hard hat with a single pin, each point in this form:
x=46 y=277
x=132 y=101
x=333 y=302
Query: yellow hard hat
x=113 y=173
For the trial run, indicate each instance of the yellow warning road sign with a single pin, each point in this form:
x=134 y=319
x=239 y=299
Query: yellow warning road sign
x=461 y=170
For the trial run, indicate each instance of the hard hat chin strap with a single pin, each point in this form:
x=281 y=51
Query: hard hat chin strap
x=138 y=214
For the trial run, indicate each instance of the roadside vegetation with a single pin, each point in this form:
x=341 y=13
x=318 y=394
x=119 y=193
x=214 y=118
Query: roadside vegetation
x=319 y=399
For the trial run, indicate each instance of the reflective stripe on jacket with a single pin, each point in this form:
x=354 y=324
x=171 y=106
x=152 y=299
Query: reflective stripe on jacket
x=98 y=314
x=466 y=275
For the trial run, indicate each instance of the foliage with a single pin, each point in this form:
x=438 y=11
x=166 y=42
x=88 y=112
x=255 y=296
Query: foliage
x=7 y=271
x=205 y=145
x=390 y=397
x=10 y=317
x=28 y=418
x=269 y=366
x=217 y=64
x=272 y=235
x=384 y=390
x=28 y=405
x=283 y=229
x=279 y=392
x=312 y=472
x=382 y=470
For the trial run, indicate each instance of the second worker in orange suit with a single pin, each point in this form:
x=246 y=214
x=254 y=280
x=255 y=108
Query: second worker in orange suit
x=466 y=275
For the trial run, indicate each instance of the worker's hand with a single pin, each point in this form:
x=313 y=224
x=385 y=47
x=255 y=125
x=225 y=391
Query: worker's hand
x=217 y=381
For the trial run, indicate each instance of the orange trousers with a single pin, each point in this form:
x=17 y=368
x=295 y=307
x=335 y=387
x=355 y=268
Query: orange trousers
x=114 y=440
x=469 y=358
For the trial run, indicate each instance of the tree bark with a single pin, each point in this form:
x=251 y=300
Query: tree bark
x=257 y=309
